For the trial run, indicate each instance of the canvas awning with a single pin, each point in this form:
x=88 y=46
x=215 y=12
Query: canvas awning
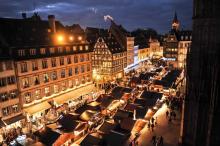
x=37 y=108
x=61 y=99
x=14 y=119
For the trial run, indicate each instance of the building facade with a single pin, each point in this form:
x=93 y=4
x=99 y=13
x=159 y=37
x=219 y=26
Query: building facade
x=46 y=60
x=175 y=45
x=109 y=59
x=155 y=49
x=201 y=109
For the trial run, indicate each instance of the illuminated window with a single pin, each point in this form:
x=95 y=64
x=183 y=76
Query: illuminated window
x=21 y=52
x=24 y=67
x=52 y=50
x=27 y=97
x=32 y=51
x=80 y=48
x=61 y=60
x=44 y=64
x=69 y=60
x=46 y=78
x=34 y=65
x=37 y=94
x=53 y=62
x=87 y=47
x=75 y=59
x=62 y=73
x=42 y=51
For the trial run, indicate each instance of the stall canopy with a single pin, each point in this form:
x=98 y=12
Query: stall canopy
x=47 y=136
x=107 y=127
x=68 y=122
x=37 y=108
x=87 y=115
x=127 y=124
x=14 y=119
x=61 y=99
x=91 y=140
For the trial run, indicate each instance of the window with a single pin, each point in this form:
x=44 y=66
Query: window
x=3 y=82
x=88 y=67
x=62 y=73
x=23 y=67
x=62 y=61
x=21 y=52
x=87 y=47
x=82 y=69
x=54 y=75
x=63 y=86
x=69 y=60
x=52 y=50
x=60 y=49
x=8 y=65
x=74 y=48
x=25 y=82
x=81 y=58
x=53 y=62
x=80 y=48
x=15 y=108
x=27 y=97
x=75 y=59
x=11 y=80
x=42 y=51
x=4 y=97
x=56 y=88
x=47 y=91
x=36 y=80
x=32 y=51
x=37 y=94
x=44 y=64
x=34 y=65
x=70 y=72
x=87 y=57
x=6 y=111
x=67 y=49
x=76 y=70
x=13 y=94
x=46 y=78
x=70 y=83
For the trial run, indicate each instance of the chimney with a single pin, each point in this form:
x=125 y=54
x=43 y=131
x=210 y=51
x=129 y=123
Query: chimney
x=51 y=20
x=24 y=15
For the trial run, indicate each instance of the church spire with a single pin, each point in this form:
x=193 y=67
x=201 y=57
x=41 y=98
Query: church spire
x=175 y=23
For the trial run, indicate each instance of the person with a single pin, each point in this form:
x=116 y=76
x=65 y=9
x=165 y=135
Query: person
x=152 y=126
x=161 y=141
x=154 y=139
x=167 y=114
x=152 y=120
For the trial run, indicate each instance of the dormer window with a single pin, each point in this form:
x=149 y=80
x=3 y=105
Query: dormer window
x=81 y=48
x=74 y=48
x=42 y=51
x=87 y=47
x=60 y=49
x=21 y=52
x=32 y=51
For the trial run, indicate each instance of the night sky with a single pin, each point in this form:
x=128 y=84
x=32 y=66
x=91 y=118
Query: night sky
x=132 y=14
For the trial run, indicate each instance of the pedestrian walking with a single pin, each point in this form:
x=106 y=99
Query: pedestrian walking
x=154 y=139
x=167 y=114
x=152 y=126
x=152 y=120
x=161 y=141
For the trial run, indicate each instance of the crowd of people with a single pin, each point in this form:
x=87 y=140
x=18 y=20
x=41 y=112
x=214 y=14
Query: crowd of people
x=157 y=141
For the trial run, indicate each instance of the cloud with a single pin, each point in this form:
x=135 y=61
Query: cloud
x=131 y=14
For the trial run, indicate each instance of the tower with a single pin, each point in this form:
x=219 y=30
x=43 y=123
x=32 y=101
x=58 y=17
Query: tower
x=175 y=23
x=201 y=108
